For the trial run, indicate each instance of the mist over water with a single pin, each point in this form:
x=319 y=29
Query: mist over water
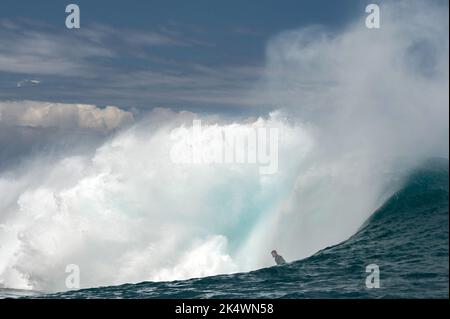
x=376 y=103
x=356 y=110
x=128 y=213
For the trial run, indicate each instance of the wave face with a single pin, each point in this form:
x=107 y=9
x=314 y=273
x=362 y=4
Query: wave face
x=407 y=238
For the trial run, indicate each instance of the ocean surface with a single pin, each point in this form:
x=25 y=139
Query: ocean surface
x=407 y=238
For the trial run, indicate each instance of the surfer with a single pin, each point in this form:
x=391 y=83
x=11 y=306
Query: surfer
x=278 y=258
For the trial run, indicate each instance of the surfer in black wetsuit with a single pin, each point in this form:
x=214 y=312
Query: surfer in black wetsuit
x=278 y=258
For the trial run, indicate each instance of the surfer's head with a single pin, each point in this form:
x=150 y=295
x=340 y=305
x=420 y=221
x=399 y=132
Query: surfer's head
x=274 y=253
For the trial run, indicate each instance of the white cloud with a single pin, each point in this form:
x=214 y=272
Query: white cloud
x=45 y=51
x=82 y=66
x=42 y=114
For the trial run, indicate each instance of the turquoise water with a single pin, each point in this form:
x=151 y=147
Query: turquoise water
x=407 y=238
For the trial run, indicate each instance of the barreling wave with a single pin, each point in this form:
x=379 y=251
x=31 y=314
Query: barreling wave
x=407 y=238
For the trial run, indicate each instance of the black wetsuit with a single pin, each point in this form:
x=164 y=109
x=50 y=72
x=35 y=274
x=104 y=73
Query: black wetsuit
x=279 y=260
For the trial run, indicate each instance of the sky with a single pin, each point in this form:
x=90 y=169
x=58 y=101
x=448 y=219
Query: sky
x=197 y=55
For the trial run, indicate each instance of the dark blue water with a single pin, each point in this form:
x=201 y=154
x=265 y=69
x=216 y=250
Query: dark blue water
x=407 y=238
